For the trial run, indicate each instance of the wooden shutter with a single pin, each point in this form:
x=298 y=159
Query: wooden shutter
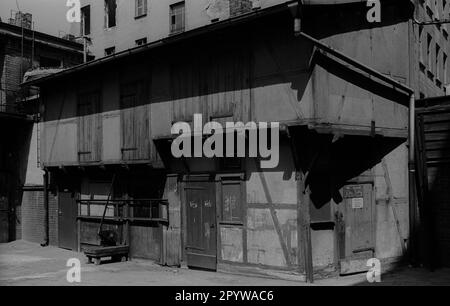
x=134 y=122
x=89 y=127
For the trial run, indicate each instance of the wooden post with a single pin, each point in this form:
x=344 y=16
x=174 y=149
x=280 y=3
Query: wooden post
x=304 y=228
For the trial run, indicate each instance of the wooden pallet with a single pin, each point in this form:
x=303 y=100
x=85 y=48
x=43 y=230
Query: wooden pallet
x=117 y=253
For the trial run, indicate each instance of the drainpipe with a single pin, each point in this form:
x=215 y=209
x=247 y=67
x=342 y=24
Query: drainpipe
x=46 y=241
x=412 y=243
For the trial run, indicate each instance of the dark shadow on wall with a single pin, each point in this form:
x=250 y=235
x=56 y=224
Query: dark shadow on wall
x=219 y=61
x=434 y=162
x=15 y=137
x=331 y=162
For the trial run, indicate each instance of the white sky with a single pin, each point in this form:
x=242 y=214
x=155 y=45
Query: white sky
x=49 y=16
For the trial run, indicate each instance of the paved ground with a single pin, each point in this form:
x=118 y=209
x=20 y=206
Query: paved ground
x=24 y=263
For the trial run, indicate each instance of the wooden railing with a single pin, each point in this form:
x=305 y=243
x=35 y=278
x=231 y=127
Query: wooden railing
x=139 y=210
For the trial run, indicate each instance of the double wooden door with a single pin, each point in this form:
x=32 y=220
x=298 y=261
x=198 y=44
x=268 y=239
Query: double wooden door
x=201 y=248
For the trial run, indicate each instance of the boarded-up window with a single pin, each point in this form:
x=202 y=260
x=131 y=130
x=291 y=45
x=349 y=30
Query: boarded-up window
x=134 y=122
x=177 y=17
x=232 y=206
x=89 y=127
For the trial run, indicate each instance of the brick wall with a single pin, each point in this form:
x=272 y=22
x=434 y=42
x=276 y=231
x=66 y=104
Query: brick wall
x=33 y=216
x=32 y=211
x=238 y=7
x=53 y=219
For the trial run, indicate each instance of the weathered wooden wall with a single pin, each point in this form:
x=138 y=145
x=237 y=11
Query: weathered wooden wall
x=259 y=76
x=257 y=72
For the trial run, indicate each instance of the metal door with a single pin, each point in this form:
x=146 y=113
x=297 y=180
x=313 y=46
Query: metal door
x=201 y=225
x=67 y=221
x=356 y=228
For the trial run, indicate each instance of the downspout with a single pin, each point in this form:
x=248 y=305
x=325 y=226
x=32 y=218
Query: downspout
x=46 y=241
x=412 y=243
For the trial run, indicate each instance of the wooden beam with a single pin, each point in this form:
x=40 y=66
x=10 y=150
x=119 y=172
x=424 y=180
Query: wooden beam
x=304 y=227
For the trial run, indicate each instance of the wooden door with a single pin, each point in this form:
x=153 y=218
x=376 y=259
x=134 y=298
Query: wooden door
x=4 y=208
x=4 y=219
x=201 y=225
x=67 y=221
x=134 y=122
x=356 y=228
x=89 y=127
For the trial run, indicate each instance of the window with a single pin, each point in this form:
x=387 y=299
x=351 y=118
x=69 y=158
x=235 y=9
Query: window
x=437 y=63
x=89 y=127
x=141 y=42
x=429 y=59
x=110 y=13
x=177 y=17
x=445 y=69
x=85 y=20
x=134 y=121
x=422 y=45
x=232 y=200
x=436 y=10
x=141 y=8
x=110 y=51
x=428 y=9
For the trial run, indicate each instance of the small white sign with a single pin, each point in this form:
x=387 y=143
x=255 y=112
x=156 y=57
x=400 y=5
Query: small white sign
x=357 y=203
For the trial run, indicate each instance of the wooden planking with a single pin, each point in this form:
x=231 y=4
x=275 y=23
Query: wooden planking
x=215 y=86
x=89 y=230
x=135 y=143
x=171 y=251
x=89 y=127
x=145 y=241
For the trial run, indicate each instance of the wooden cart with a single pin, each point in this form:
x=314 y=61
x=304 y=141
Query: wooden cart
x=96 y=253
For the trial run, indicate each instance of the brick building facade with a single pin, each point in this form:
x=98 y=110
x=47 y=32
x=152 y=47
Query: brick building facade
x=19 y=169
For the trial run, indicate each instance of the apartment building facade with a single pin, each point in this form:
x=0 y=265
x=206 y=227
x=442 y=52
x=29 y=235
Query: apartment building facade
x=434 y=47
x=118 y=25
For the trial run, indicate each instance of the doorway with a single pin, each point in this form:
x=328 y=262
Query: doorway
x=67 y=221
x=4 y=207
x=201 y=240
x=356 y=228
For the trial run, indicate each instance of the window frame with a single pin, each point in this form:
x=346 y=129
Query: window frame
x=84 y=10
x=445 y=68
x=113 y=49
x=141 y=41
x=177 y=9
x=144 y=8
x=107 y=4
x=430 y=55
x=231 y=179
x=437 y=52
